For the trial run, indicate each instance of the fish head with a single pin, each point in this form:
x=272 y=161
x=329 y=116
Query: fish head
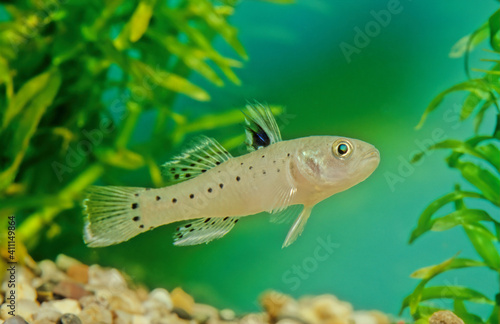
x=333 y=164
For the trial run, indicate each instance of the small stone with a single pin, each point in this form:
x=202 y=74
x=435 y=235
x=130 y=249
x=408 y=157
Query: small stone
x=445 y=317
x=260 y=318
x=44 y=292
x=183 y=300
x=50 y=272
x=139 y=319
x=205 y=313
x=290 y=321
x=325 y=308
x=126 y=301
x=163 y=297
x=121 y=317
x=65 y=262
x=26 y=308
x=47 y=313
x=277 y=304
x=42 y=321
x=370 y=317
x=111 y=279
x=4 y=311
x=69 y=319
x=16 y=320
x=70 y=289
x=98 y=300
x=227 y=315
x=79 y=272
x=143 y=293
x=96 y=314
x=65 y=306
x=182 y=313
x=25 y=291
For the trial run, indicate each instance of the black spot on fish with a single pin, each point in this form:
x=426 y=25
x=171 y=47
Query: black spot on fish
x=172 y=169
x=213 y=223
x=217 y=162
x=151 y=227
x=188 y=175
x=184 y=169
x=180 y=236
x=241 y=163
x=135 y=205
x=176 y=176
x=274 y=161
x=250 y=167
x=263 y=156
x=209 y=190
x=191 y=230
x=207 y=220
x=147 y=189
x=178 y=228
x=225 y=218
x=236 y=221
x=136 y=218
x=188 y=226
x=238 y=178
x=288 y=155
x=263 y=172
x=174 y=200
x=158 y=198
x=278 y=170
x=137 y=195
x=191 y=196
x=141 y=226
x=203 y=171
x=199 y=160
x=221 y=185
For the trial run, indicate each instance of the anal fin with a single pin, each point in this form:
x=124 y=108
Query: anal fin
x=203 y=230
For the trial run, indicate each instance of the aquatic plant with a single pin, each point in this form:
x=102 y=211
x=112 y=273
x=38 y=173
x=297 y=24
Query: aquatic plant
x=478 y=160
x=75 y=78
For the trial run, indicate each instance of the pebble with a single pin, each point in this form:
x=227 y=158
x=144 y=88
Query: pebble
x=111 y=279
x=163 y=297
x=69 y=319
x=16 y=320
x=26 y=308
x=96 y=314
x=70 y=289
x=79 y=273
x=47 y=313
x=65 y=262
x=126 y=301
x=50 y=272
x=445 y=317
x=65 y=306
x=4 y=311
x=121 y=317
x=183 y=300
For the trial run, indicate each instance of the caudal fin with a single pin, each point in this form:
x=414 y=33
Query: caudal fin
x=111 y=215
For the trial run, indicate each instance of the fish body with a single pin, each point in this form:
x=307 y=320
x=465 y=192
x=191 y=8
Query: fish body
x=220 y=189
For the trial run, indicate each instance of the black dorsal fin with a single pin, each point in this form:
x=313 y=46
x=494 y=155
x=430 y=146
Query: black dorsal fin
x=260 y=126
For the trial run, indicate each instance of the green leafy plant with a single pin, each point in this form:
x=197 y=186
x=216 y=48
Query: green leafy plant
x=75 y=79
x=478 y=161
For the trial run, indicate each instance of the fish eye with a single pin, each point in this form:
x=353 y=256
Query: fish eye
x=342 y=148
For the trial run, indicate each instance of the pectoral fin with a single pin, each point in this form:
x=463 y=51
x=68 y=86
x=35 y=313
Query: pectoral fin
x=298 y=226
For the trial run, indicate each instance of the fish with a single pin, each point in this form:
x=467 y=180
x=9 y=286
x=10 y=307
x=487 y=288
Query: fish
x=210 y=190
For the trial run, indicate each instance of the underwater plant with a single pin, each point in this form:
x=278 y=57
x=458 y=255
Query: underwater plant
x=76 y=77
x=477 y=158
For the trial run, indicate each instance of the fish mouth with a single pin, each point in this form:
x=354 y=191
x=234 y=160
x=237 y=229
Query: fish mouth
x=372 y=155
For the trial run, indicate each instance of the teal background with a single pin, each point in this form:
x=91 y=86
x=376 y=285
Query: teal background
x=296 y=61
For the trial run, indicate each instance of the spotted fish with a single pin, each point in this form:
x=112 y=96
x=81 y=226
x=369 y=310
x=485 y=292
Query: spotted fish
x=211 y=190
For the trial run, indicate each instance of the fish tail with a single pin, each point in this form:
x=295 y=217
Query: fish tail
x=112 y=215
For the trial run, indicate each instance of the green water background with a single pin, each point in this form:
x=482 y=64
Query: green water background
x=296 y=61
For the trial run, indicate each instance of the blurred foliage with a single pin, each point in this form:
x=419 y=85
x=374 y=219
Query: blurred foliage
x=478 y=160
x=61 y=62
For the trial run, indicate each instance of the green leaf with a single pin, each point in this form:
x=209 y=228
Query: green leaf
x=24 y=125
x=26 y=93
x=493 y=319
x=482 y=179
x=121 y=158
x=460 y=217
x=492 y=154
x=494 y=23
x=478 y=119
x=471 y=102
x=461 y=311
x=472 y=40
x=455 y=292
x=476 y=86
x=424 y=222
x=455 y=263
x=483 y=241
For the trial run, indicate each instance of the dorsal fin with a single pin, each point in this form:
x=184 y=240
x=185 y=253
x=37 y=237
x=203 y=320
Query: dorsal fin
x=261 y=127
x=204 y=154
x=203 y=230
